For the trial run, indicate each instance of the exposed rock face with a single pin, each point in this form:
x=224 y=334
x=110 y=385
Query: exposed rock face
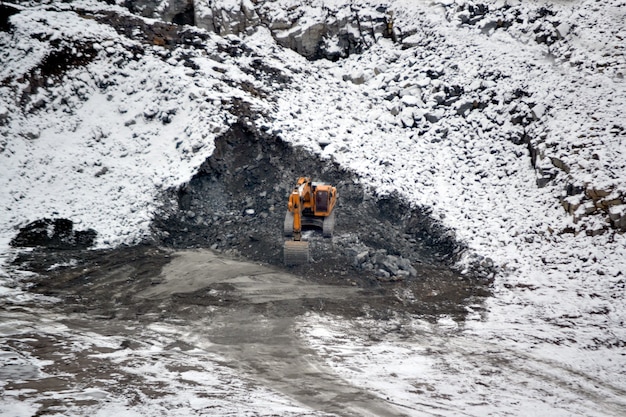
x=314 y=32
x=595 y=205
x=329 y=33
x=180 y=12
x=224 y=18
x=586 y=200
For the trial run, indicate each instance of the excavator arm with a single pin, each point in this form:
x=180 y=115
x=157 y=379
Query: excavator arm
x=295 y=207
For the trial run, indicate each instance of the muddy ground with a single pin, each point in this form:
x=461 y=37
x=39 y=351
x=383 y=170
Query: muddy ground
x=245 y=312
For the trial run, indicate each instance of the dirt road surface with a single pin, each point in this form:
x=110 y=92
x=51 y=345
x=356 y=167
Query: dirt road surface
x=151 y=331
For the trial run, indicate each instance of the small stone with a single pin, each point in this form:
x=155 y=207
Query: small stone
x=395 y=110
x=151 y=111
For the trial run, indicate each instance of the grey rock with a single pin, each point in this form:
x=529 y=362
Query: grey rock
x=351 y=251
x=379 y=257
x=403 y=274
x=395 y=110
x=313 y=34
x=560 y=164
x=434 y=116
x=390 y=266
x=32 y=134
x=362 y=257
x=227 y=19
x=463 y=107
x=381 y=273
x=358 y=79
x=404 y=264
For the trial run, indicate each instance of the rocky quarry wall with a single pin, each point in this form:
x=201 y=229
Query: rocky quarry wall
x=314 y=32
x=320 y=31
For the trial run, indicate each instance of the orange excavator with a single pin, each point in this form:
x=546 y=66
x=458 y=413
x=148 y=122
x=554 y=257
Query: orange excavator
x=311 y=204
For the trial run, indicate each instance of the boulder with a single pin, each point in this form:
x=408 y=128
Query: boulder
x=563 y=29
x=4 y=114
x=362 y=257
x=411 y=101
x=538 y=111
x=381 y=273
x=434 y=116
x=463 y=107
x=596 y=193
x=379 y=256
x=390 y=266
x=403 y=275
x=560 y=164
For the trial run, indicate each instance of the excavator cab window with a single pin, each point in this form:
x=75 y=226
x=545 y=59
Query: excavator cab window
x=321 y=201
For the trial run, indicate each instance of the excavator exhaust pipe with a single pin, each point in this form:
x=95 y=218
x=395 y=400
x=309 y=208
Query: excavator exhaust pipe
x=296 y=252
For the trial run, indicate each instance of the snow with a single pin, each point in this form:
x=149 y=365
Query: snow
x=100 y=145
x=451 y=371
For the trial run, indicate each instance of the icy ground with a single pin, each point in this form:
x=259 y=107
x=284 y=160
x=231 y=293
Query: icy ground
x=100 y=141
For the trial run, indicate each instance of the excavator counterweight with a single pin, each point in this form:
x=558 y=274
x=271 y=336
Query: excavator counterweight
x=310 y=205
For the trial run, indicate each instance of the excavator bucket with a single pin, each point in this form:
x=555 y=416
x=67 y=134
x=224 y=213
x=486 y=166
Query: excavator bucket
x=296 y=252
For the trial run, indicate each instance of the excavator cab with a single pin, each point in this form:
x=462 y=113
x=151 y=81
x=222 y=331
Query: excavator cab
x=321 y=201
x=324 y=199
x=311 y=205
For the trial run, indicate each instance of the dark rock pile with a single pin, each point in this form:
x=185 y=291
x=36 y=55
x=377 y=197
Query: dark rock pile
x=54 y=234
x=237 y=202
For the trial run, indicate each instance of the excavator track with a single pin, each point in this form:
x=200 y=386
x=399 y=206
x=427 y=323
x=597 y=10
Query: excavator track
x=296 y=252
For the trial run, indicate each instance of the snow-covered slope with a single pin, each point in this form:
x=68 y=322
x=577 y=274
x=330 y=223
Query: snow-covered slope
x=505 y=117
x=95 y=143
